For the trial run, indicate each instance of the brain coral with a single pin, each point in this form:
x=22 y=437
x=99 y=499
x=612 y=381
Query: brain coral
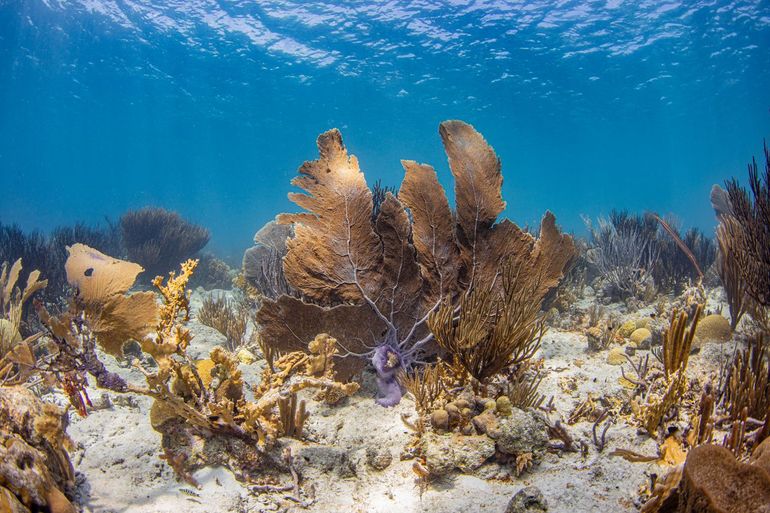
x=714 y=327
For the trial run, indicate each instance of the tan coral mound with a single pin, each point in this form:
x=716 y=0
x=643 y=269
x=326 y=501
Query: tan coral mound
x=640 y=335
x=715 y=328
x=714 y=482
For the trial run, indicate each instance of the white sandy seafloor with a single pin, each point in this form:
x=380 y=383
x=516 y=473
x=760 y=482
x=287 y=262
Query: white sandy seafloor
x=120 y=469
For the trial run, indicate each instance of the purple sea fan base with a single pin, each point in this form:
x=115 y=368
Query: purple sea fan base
x=387 y=362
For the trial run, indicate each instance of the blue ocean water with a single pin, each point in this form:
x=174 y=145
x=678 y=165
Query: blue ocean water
x=208 y=107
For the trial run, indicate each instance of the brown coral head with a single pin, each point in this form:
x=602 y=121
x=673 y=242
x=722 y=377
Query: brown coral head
x=715 y=482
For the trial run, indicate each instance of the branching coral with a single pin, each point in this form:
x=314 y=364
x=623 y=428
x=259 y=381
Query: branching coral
x=227 y=317
x=637 y=254
x=683 y=259
x=677 y=342
x=374 y=284
x=624 y=255
x=745 y=392
x=730 y=276
x=522 y=387
x=425 y=385
x=491 y=331
x=745 y=229
x=752 y=230
x=16 y=355
x=667 y=391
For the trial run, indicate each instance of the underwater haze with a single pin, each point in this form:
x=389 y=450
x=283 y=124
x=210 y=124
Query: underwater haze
x=209 y=107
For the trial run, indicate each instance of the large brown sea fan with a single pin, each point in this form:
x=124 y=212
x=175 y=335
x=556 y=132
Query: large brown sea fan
x=375 y=283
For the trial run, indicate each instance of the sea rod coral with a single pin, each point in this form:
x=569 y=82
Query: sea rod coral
x=374 y=284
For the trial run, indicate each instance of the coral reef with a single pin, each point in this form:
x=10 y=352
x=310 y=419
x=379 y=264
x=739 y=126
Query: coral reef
x=158 y=239
x=375 y=284
x=638 y=255
x=624 y=255
x=447 y=308
x=200 y=407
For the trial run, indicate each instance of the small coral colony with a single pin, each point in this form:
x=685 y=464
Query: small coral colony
x=446 y=306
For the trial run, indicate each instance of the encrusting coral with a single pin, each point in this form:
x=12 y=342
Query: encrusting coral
x=374 y=284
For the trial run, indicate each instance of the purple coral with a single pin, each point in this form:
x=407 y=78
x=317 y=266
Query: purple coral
x=387 y=361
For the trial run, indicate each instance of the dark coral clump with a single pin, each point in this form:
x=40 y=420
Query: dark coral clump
x=158 y=239
x=638 y=255
x=748 y=225
x=213 y=273
x=624 y=254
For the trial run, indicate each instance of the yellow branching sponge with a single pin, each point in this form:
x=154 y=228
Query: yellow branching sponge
x=201 y=408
